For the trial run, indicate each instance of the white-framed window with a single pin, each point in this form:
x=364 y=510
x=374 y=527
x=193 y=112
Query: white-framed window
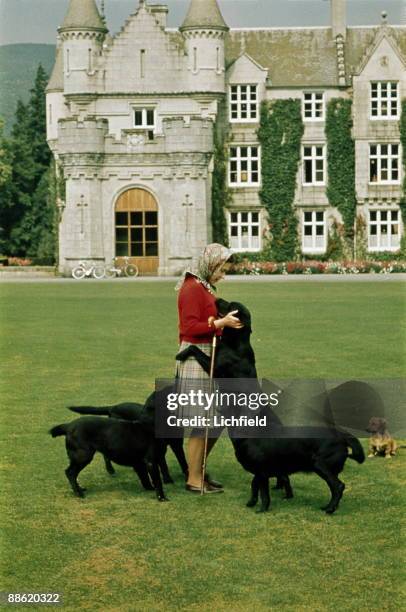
x=314 y=234
x=314 y=163
x=384 y=163
x=384 y=230
x=244 y=166
x=244 y=231
x=144 y=118
x=313 y=106
x=385 y=100
x=244 y=103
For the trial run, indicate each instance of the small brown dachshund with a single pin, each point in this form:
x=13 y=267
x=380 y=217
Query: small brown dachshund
x=381 y=442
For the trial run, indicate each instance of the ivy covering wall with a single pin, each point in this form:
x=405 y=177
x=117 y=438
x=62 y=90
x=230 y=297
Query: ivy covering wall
x=280 y=134
x=341 y=162
x=221 y=195
x=403 y=146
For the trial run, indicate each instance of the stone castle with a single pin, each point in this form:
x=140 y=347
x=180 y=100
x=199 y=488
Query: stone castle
x=130 y=121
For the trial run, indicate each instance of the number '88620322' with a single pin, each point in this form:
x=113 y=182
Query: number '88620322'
x=27 y=598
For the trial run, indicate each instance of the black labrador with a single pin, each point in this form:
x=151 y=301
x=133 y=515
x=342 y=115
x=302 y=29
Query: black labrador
x=235 y=358
x=126 y=443
x=286 y=450
x=145 y=414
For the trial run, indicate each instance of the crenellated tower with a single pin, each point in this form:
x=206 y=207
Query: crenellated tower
x=204 y=30
x=82 y=34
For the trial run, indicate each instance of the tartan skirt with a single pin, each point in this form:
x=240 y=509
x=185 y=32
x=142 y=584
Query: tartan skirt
x=190 y=375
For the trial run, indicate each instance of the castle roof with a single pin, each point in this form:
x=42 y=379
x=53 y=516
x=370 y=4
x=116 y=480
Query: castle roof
x=304 y=57
x=204 y=14
x=56 y=81
x=83 y=15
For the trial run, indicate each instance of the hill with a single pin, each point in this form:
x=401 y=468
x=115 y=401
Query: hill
x=18 y=66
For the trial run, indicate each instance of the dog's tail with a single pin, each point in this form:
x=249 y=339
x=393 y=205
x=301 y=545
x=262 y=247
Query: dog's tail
x=103 y=411
x=355 y=445
x=59 y=430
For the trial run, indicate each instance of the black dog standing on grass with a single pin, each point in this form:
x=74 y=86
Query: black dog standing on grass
x=144 y=414
x=126 y=443
x=287 y=450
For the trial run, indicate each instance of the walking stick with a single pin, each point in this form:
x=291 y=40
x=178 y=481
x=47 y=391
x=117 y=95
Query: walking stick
x=206 y=433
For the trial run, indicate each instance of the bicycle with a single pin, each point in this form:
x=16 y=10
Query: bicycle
x=84 y=270
x=128 y=269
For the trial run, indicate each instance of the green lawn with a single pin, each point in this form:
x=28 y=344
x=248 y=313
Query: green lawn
x=119 y=549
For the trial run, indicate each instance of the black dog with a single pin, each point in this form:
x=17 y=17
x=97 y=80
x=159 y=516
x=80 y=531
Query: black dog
x=123 y=442
x=235 y=358
x=145 y=414
x=286 y=450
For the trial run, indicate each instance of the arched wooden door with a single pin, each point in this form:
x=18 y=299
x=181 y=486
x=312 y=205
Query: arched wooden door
x=136 y=226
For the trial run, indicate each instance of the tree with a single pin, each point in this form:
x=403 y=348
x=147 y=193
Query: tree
x=37 y=126
x=6 y=172
x=26 y=211
x=6 y=158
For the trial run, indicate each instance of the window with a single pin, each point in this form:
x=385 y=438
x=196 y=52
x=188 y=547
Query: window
x=314 y=232
x=313 y=165
x=313 y=106
x=244 y=166
x=385 y=100
x=137 y=234
x=384 y=163
x=144 y=118
x=243 y=231
x=383 y=230
x=244 y=103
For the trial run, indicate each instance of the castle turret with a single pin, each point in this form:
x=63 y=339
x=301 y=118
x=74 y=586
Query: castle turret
x=204 y=30
x=82 y=33
x=54 y=92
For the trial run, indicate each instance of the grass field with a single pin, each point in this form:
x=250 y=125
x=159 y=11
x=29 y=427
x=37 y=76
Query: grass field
x=119 y=549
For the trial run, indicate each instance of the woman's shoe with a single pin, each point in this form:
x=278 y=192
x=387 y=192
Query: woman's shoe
x=212 y=482
x=207 y=489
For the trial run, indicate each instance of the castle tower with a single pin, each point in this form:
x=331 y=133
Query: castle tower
x=82 y=33
x=204 y=30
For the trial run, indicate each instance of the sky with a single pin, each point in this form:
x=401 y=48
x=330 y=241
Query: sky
x=36 y=21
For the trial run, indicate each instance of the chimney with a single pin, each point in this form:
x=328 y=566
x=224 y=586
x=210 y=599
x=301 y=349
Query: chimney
x=160 y=12
x=338 y=17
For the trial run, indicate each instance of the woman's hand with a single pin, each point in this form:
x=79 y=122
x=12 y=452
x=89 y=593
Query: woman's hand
x=228 y=321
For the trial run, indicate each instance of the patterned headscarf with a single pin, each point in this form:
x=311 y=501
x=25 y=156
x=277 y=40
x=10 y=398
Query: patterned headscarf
x=213 y=257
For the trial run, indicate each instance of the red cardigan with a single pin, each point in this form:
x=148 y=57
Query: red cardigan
x=195 y=305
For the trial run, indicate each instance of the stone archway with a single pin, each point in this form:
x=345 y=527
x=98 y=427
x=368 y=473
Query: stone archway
x=136 y=229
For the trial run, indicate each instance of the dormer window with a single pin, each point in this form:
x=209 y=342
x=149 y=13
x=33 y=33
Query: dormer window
x=385 y=100
x=244 y=103
x=313 y=106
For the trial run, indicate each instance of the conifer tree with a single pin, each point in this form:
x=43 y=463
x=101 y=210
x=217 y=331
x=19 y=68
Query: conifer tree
x=27 y=212
x=6 y=172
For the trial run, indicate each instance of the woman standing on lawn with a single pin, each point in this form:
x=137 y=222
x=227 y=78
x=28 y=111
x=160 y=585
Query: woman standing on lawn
x=198 y=322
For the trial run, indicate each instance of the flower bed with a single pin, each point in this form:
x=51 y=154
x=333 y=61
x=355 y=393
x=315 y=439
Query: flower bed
x=19 y=261
x=317 y=267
